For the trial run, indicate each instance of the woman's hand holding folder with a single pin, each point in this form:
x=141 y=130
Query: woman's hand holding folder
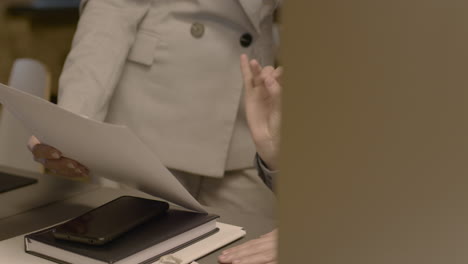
x=55 y=162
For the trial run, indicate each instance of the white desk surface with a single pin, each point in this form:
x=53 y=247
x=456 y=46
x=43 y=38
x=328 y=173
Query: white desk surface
x=12 y=247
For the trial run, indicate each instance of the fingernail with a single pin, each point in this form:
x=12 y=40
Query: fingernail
x=78 y=171
x=55 y=155
x=70 y=165
x=223 y=258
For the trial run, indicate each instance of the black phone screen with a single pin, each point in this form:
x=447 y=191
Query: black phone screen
x=110 y=220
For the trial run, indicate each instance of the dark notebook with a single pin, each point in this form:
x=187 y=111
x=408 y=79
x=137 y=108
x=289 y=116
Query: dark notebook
x=10 y=182
x=144 y=244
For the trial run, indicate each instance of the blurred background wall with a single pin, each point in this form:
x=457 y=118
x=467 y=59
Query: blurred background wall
x=38 y=29
x=374 y=162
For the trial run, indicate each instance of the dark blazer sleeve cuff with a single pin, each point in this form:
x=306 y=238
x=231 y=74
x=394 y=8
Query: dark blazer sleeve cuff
x=268 y=176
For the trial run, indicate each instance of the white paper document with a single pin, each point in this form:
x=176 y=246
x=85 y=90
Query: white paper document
x=108 y=150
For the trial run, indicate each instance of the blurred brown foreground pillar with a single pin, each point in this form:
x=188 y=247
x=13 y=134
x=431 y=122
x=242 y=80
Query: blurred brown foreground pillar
x=374 y=162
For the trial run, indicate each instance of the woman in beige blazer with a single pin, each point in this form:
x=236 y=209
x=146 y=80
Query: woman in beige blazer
x=168 y=69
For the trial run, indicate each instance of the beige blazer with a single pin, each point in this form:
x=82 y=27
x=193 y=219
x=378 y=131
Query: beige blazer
x=169 y=70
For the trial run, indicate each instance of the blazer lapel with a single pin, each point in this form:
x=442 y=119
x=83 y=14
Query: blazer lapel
x=82 y=5
x=252 y=9
x=256 y=10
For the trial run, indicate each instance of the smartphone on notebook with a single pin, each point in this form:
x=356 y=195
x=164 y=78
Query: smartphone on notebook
x=111 y=220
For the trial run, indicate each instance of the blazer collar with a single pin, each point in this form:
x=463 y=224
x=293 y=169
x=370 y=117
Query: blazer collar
x=256 y=10
x=252 y=9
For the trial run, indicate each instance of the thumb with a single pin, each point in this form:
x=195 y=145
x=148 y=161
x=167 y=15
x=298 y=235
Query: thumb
x=32 y=142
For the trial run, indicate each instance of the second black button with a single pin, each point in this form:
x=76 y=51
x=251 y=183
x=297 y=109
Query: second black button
x=246 y=40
